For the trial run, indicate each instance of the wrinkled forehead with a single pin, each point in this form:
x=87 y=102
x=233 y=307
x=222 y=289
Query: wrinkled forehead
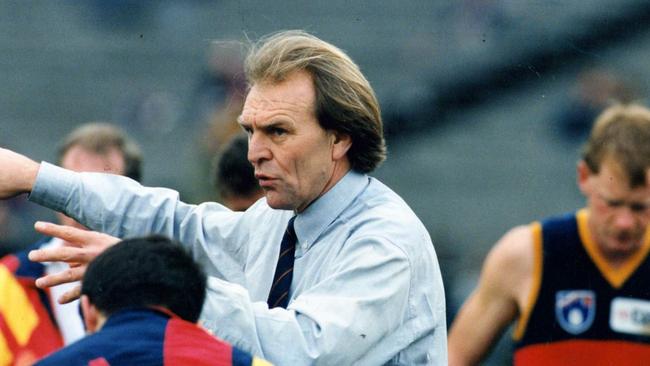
x=294 y=95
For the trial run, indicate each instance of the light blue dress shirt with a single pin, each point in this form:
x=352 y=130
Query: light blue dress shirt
x=366 y=288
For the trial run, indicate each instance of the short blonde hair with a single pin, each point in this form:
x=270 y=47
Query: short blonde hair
x=100 y=138
x=345 y=101
x=622 y=133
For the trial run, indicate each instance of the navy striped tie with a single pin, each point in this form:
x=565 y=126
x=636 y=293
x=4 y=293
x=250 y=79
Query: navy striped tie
x=279 y=295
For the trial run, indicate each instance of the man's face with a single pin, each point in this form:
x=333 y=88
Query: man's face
x=81 y=160
x=295 y=159
x=619 y=215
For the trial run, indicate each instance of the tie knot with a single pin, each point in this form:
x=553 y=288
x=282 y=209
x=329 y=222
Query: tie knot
x=290 y=229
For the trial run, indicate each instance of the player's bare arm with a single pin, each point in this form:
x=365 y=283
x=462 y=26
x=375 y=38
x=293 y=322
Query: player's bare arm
x=501 y=294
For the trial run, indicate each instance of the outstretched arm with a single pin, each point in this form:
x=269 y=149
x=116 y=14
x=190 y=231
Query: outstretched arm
x=17 y=173
x=502 y=291
x=121 y=207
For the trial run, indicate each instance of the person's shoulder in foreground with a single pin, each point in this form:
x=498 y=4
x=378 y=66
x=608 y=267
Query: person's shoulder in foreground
x=141 y=300
x=575 y=283
x=146 y=336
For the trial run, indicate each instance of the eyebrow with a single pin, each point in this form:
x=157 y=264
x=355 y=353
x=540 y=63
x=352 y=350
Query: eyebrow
x=272 y=123
x=621 y=201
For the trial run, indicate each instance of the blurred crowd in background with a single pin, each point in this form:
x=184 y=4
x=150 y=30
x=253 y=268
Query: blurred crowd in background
x=485 y=102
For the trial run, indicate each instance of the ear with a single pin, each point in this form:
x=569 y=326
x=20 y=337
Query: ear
x=91 y=315
x=583 y=175
x=341 y=143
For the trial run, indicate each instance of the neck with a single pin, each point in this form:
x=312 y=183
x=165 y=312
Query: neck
x=341 y=168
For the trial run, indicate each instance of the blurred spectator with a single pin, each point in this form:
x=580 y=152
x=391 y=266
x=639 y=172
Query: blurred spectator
x=37 y=323
x=235 y=177
x=217 y=101
x=594 y=90
x=220 y=94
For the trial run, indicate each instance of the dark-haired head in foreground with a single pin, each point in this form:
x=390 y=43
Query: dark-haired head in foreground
x=143 y=272
x=141 y=299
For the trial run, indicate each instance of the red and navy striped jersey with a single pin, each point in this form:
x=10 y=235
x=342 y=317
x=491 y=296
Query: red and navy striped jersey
x=147 y=337
x=581 y=310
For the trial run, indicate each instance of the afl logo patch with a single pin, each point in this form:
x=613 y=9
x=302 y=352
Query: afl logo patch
x=575 y=310
x=630 y=316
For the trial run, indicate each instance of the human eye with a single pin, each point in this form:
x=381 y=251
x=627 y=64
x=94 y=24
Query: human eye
x=277 y=131
x=639 y=207
x=614 y=203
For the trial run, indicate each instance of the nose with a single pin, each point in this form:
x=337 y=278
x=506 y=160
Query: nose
x=624 y=218
x=258 y=150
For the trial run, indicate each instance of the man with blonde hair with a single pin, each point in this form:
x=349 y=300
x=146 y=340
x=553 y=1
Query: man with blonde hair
x=577 y=284
x=331 y=267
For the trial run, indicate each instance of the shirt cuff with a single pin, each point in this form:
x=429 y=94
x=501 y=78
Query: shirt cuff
x=53 y=186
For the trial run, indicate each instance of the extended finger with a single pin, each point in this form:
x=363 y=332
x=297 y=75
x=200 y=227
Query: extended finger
x=60 y=254
x=67 y=233
x=66 y=276
x=71 y=295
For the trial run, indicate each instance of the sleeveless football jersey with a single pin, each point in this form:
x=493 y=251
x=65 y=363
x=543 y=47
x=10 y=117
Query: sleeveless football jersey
x=581 y=311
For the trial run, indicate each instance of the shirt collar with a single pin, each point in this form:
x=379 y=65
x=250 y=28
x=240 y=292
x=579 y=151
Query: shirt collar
x=311 y=223
x=128 y=314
